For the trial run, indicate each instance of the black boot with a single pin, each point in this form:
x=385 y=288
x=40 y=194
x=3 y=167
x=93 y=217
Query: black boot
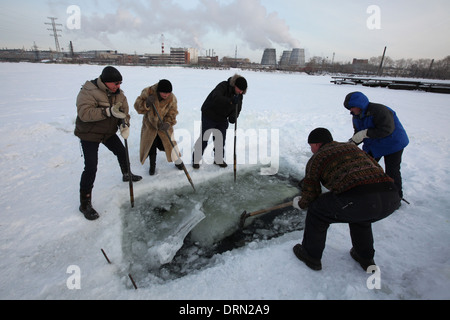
x=152 y=163
x=135 y=178
x=86 y=206
x=301 y=254
x=222 y=165
x=364 y=263
x=195 y=165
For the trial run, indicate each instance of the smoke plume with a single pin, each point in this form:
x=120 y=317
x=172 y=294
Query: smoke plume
x=246 y=20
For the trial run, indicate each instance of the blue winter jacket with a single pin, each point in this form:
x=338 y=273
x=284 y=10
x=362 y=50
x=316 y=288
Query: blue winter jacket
x=386 y=134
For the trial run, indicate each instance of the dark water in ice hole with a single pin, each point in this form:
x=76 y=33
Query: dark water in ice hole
x=156 y=215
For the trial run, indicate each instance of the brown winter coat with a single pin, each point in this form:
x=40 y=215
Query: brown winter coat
x=92 y=123
x=339 y=167
x=168 y=111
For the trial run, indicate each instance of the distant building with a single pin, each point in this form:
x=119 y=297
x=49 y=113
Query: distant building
x=178 y=56
x=269 y=57
x=183 y=56
x=193 y=55
x=157 y=59
x=27 y=55
x=297 y=58
x=360 y=62
x=234 y=62
x=360 y=65
x=213 y=61
x=294 y=58
x=284 y=61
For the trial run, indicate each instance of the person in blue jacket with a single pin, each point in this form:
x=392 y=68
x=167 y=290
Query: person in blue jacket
x=378 y=127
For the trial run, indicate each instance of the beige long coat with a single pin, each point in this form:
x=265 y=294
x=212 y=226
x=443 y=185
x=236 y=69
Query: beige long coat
x=168 y=111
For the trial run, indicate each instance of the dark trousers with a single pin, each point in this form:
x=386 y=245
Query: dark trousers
x=359 y=207
x=392 y=164
x=157 y=144
x=90 y=151
x=219 y=132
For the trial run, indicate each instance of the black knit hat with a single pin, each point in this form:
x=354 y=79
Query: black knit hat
x=111 y=74
x=164 y=86
x=320 y=135
x=241 y=83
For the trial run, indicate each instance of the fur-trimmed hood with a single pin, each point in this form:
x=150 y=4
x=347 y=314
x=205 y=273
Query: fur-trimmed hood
x=233 y=79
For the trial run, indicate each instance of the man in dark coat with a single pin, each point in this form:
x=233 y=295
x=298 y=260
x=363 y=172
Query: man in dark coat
x=360 y=193
x=218 y=110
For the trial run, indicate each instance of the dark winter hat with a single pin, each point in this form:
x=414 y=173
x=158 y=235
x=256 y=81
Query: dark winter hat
x=111 y=74
x=241 y=83
x=164 y=86
x=320 y=135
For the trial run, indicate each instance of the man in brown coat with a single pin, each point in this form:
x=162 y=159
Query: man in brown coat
x=102 y=109
x=153 y=137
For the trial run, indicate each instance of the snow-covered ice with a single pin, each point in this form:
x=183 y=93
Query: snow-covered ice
x=45 y=241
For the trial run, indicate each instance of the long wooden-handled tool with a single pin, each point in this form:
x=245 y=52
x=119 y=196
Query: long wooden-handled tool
x=235 y=135
x=246 y=215
x=173 y=146
x=130 y=176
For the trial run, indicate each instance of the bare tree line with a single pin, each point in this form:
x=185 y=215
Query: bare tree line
x=420 y=68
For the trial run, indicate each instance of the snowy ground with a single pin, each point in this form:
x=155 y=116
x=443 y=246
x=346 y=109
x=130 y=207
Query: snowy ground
x=45 y=242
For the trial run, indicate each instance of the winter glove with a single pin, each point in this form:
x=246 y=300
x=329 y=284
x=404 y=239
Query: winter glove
x=115 y=111
x=164 y=126
x=359 y=136
x=295 y=203
x=124 y=131
x=150 y=101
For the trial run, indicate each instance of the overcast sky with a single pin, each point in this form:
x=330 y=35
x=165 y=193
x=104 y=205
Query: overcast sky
x=348 y=28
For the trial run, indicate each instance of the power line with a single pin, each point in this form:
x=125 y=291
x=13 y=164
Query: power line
x=55 y=32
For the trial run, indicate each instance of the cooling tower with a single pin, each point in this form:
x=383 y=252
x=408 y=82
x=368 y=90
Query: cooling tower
x=269 y=57
x=297 y=57
x=284 y=61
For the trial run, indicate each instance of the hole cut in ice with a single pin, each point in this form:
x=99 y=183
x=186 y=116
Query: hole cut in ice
x=172 y=232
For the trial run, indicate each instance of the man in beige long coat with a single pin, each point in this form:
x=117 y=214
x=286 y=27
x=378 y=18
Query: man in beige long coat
x=153 y=136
